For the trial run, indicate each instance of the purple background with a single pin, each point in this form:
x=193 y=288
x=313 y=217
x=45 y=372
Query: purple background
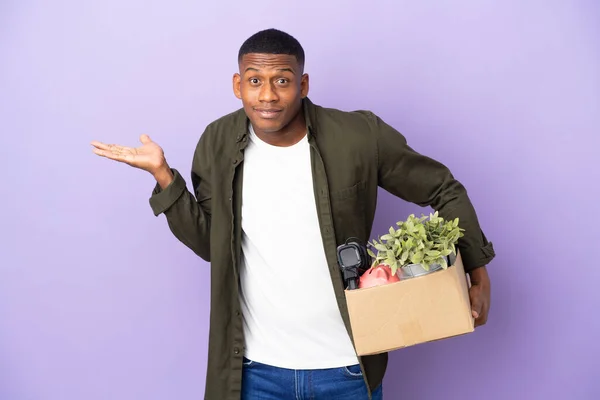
x=98 y=301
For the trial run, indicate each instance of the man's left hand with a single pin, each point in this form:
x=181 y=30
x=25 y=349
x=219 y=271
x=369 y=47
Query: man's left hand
x=480 y=295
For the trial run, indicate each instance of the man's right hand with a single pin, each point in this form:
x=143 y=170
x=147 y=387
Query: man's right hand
x=149 y=157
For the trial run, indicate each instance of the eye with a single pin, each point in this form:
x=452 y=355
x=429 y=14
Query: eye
x=282 y=81
x=253 y=81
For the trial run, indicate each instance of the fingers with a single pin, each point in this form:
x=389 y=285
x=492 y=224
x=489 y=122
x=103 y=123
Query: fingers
x=481 y=320
x=112 y=148
x=103 y=153
x=476 y=310
x=100 y=145
x=145 y=139
x=112 y=151
x=477 y=303
x=113 y=155
x=479 y=312
x=115 y=148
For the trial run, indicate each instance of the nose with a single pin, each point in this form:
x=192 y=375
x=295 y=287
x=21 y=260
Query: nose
x=267 y=93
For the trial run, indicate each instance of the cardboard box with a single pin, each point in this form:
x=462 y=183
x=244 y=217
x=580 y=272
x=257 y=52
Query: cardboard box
x=416 y=310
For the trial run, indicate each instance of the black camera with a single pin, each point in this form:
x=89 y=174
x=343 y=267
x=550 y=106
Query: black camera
x=353 y=260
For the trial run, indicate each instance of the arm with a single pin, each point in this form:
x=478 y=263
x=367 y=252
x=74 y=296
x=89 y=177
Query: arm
x=188 y=216
x=426 y=182
x=421 y=180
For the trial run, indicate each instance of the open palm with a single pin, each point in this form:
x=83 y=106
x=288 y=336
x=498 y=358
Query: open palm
x=149 y=156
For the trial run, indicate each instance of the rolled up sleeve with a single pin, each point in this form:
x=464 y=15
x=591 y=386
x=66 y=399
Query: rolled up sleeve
x=162 y=199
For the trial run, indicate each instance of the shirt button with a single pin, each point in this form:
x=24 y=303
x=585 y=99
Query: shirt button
x=236 y=350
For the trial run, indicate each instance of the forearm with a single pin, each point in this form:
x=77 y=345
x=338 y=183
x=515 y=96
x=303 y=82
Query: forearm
x=164 y=176
x=479 y=276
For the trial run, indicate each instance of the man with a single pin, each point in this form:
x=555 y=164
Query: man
x=278 y=185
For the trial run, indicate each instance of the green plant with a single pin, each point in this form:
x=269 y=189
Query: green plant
x=423 y=240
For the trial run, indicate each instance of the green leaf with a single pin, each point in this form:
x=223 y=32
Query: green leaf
x=380 y=247
x=404 y=257
x=370 y=252
x=443 y=263
x=394 y=267
x=433 y=253
x=417 y=258
x=387 y=237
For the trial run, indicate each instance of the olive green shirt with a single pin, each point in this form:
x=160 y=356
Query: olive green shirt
x=352 y=154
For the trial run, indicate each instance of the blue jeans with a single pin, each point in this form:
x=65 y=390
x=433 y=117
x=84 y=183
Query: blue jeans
x=264 y=382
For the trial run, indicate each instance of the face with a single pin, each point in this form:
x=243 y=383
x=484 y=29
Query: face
x=271 y=87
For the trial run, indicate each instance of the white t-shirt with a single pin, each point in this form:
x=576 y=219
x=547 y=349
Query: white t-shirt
x=291 y=317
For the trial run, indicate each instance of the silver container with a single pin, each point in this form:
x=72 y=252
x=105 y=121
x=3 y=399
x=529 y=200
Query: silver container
x=414 y=270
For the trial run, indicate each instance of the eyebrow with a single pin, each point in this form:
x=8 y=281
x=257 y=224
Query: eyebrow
x=279 y=69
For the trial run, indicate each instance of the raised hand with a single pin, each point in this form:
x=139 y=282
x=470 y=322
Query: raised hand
x=149 y=157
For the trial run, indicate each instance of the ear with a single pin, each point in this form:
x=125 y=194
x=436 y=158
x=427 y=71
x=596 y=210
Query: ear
x=237 y=82
x=304 y=86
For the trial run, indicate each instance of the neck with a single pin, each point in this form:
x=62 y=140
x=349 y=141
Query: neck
x=291 y=134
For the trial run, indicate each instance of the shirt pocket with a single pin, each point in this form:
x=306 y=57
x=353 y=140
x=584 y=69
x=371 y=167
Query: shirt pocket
x=348 y=211
x=348 y=192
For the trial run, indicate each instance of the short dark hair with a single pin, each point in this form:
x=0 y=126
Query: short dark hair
x=272 y=41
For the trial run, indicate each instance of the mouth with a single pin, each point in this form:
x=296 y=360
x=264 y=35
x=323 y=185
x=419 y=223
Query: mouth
x=268 y=113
